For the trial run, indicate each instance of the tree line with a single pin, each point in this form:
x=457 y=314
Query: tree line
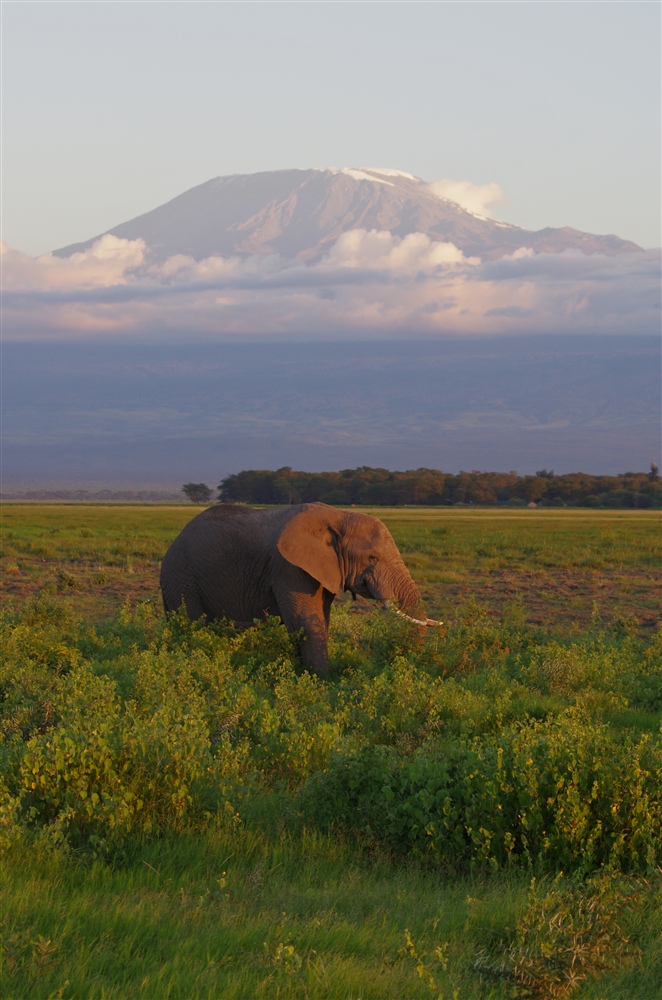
x=431 y=487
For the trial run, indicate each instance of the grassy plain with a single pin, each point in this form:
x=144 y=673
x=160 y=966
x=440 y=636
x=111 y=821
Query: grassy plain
x=560 y=563
x=185 y=813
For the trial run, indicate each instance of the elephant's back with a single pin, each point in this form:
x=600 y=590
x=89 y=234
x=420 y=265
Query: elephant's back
x=240 y=523
x=226 y=514
x=220 y=555
x=215 y=530
x=244 y=535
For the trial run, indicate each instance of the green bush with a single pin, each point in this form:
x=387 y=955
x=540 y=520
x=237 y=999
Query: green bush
x=483 y=746
x=109 y=768
x=561 y=792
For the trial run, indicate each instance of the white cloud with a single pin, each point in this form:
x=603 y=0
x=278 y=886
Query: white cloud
x=108 y=262
x=475 y=198
x=381 y=249
x=371 y=282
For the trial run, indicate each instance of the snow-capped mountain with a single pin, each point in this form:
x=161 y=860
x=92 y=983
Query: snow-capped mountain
x=299 y=214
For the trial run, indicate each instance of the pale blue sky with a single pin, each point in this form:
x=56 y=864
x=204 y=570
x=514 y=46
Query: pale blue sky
x=112 y=108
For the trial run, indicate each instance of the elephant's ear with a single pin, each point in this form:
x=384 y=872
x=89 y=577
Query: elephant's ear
x=309 y=541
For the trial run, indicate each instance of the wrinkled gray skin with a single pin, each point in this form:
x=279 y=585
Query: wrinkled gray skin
x=243 y=564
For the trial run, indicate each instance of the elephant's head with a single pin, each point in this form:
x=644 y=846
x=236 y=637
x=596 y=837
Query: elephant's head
x=351 y=551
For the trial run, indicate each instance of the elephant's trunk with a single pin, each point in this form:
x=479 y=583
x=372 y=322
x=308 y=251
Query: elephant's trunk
x=407 y=596
x=401 y=589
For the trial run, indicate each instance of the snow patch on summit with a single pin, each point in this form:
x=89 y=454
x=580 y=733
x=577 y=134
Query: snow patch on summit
x=361 y=175
x=388 y=172
x=358 y=175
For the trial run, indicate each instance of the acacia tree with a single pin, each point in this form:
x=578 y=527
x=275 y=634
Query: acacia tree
x=197 y=492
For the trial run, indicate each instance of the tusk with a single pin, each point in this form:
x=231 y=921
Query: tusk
x=416 y=621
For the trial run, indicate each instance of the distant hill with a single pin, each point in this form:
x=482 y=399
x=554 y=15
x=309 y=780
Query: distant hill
x=93 y=496
x=116 y=415
x=299 y=214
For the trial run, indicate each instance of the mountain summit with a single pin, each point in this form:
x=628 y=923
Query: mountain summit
x=299 y=214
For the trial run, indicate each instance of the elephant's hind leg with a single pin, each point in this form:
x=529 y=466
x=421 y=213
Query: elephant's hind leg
x=183 y=592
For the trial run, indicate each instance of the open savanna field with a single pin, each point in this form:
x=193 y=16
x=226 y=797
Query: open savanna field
x=185 y=812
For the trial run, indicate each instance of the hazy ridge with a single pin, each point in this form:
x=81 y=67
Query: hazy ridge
x=168 y=414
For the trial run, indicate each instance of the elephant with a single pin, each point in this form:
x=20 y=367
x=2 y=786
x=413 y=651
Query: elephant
x=244 y=564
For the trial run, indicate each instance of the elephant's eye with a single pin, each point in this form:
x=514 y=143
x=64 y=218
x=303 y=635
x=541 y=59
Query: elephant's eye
x=372 y=559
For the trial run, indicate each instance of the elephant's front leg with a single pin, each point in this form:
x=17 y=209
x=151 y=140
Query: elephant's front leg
x=308 y=609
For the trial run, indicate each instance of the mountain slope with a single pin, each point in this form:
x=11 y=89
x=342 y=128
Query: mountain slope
x=299 y=214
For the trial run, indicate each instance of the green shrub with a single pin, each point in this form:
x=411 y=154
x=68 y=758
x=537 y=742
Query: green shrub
x=643 y=678
x=110 y=768
x=560 y=792
x=464 y=748
x=70 y=778
x=39 y=649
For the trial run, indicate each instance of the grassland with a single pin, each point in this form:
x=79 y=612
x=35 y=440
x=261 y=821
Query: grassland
x=184 y=812
x=560 y=563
